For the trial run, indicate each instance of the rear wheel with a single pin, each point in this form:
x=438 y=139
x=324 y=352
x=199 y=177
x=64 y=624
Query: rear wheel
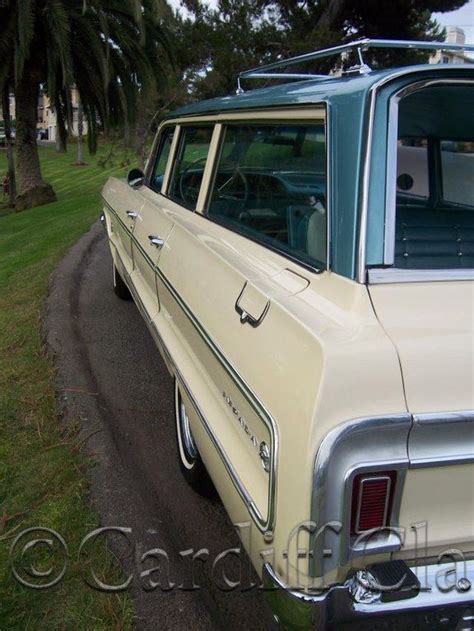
x=120 y=288
x=191 y=464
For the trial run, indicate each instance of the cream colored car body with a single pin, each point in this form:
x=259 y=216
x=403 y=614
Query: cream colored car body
x=329 y=350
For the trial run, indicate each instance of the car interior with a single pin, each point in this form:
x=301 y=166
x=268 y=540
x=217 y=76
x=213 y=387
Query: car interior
x=435 y=179
x=270 y=185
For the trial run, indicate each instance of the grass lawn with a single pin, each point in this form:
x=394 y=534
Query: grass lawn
x=42 y=479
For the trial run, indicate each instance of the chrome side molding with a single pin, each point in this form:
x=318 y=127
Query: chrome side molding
x=378 y=276
x=441 y=439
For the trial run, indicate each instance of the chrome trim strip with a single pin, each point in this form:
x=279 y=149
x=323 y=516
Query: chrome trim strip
x=265 y=525
x=366 y=188
x=378 y=276
x=362 y=445
x=170 y=162
x=329 y=209
x=441 y=439
x=391 y=180
x=239 y=485
x=209 y=169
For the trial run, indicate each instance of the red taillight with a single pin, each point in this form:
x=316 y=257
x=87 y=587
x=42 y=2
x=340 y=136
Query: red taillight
x=372 y=495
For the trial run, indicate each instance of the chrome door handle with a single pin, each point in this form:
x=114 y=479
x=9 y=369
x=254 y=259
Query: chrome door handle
x=132 y=214
x=156 y=241
x=250 y=319
x=247 y=318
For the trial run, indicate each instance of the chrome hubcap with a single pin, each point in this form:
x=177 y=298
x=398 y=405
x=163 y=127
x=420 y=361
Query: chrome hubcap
x=189 y=446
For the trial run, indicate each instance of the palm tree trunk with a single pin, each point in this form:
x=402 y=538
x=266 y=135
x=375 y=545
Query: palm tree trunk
x=80 y=133
x=8 y=139
x=32 y=189
x=61 y=131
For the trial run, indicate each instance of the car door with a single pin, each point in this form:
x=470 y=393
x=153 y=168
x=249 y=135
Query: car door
x=152 y=227
x=219 y=289
x=122 y=204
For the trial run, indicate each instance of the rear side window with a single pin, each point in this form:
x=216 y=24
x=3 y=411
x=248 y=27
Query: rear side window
x=190 y=161
x=270 y=185
x=162 y=156
x=434 y=227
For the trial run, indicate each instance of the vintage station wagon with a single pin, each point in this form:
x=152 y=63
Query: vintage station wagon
x=303 y=255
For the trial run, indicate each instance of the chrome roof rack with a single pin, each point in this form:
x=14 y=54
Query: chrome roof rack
x=358 y=47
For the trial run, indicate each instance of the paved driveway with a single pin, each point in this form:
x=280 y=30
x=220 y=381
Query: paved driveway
x=112 y=379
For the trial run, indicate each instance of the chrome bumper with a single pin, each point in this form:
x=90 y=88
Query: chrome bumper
x=431 y=608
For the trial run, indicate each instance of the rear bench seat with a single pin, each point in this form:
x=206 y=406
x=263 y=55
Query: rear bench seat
x=428 y=238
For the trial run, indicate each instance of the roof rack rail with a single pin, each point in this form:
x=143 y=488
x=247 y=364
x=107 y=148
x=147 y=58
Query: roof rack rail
x=358 y=47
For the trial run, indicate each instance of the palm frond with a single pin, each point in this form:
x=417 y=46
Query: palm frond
x=113 y=51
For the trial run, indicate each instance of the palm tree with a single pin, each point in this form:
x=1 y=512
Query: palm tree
x=9 y=143
x=109 y=49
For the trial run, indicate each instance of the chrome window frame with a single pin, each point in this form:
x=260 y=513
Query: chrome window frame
x=181 y=129
x=366 y=275
x=155 y=155
x=151 y=161
x=389 y=273
x=223 y=123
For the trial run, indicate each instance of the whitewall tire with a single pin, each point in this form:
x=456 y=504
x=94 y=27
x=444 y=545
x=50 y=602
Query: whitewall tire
x=191 y=464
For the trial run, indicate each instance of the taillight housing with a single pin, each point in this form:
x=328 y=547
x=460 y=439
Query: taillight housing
x=372 y=499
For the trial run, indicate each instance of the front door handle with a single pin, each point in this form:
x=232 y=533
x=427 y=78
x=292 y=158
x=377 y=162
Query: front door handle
x=156 y=241
x=132 y=214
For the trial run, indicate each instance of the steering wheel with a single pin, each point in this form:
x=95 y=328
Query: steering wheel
x=237 y=173
x=194 y=189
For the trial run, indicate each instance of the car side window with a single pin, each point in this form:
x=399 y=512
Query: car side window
x=162 y=156
x=270 y=185
x=188 y=169
x=434 y=199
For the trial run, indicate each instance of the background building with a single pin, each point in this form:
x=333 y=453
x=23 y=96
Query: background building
x=455 y=35
x=47 y=119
